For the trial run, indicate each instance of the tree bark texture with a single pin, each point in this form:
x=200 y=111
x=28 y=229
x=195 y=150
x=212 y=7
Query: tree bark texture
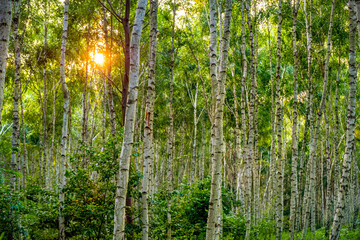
x=65 y=136
x=130 y=117
x=351 y=119
x=149 y=118
x=16 y=130
x=214 y=222
x=5 y=23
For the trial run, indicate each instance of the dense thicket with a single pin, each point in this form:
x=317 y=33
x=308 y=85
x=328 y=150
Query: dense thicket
x=179 y=119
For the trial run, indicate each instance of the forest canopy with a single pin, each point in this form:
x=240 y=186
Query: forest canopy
x=179 y=119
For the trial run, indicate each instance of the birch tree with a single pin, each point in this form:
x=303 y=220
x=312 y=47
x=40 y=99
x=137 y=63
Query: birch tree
x=170 y=150
x=243 y=123
x=149 y=118
x=65 y=123
x=5 y=23
x=278 y=125
x=16 y=130
x=315 y=136
x=130 y=117
x=214 y=227
x=351 y=119
x=294 y=136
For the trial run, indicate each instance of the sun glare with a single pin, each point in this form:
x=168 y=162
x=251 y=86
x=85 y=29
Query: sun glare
x=99 y=58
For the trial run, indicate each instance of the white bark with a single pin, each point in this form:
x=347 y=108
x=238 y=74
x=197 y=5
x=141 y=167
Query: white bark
x=294 y=136
x=25 y=169
x=123 y=178
x=307 y=197
x=214 y=223
x=16 y=131
x=195 y=135
x=279 y=155
x=51 y=153
x=351 y=123
x=315 y=136
x=5 y=23
x=149 y=118
x=170 y=159
x=247 y=172
x=65 y=123
x=46 y=164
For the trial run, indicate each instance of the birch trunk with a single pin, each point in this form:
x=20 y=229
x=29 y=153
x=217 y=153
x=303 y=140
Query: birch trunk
x=5 y=23
x=85 y=110
x=256 y=162
x=306 y=200
x=351 y=119
x=243 y=123
x=25 y=154
x=108 y=75
x=149 y=118
x=294 y=136
x=315 y=136
x=103 y=120
x=15 y=134
x=271 y=179
x=127 y=58
x=237 y=144
x=123 y=178
x=250 y=145
x=170 y=159
x=211 y=221
x=51 y=153
x=195 y=135
x=336 y=141
x=327 y=163
x=65 y=123
x=105 y=77
x=279 y=158
x=214 y=222
x=46 y=169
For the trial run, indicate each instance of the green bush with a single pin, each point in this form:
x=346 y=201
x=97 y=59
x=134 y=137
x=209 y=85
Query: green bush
x=189 y=211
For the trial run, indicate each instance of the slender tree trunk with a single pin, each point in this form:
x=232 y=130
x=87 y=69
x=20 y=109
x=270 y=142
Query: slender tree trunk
x=169 y=176
x=85 y=110
x=25 y=169
x=214 y=222
x=15 y=134
x=279 y=157
x=103 y=120
x=51 y=153
x=327 y=163
x=108 y=63
x=256 y=162
x=195 y=135
x=336 y=141
x=65 y=123
x=315 y=136
x=149 y=118
x=351 y=119
x=211 y=221
x=105 y=76
x=306 y=201
x=46 y=166
x=170 y=160
x=130 y=115
x=294 y=136
x=237 y=142
x=5 y=23
x=273 y=132
x=202 y=164
x=127 y=56
x=243 y=122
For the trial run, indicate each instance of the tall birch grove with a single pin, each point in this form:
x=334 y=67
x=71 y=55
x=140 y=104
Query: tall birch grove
x=179 y=119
